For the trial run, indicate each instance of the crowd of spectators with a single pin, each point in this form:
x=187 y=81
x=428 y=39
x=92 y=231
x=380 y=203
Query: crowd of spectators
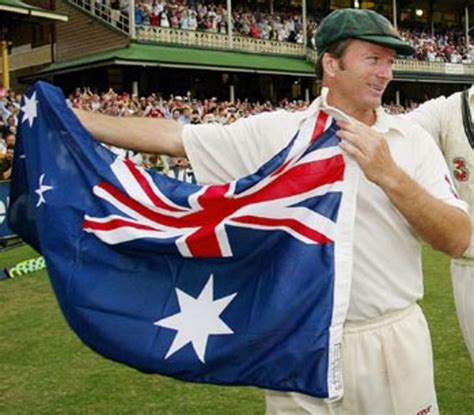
x=284 y=25
x=9 y=110
x=394 y=108
x=444 y=45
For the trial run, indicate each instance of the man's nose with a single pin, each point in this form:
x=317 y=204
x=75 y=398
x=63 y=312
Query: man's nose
x=385 y=71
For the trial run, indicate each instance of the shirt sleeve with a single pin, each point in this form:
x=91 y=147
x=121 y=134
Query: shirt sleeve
x=429 y=116
x=220 y=154
x=432 y=172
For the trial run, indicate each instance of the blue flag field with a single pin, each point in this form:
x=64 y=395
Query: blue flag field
x=244 y=283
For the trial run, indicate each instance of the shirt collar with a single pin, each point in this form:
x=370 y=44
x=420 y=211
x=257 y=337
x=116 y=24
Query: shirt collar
x=383 y=124
x=386 y=122
x=320 y=103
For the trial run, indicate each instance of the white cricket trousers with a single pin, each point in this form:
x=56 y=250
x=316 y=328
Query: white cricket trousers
x=387 y=370
x=462 y=275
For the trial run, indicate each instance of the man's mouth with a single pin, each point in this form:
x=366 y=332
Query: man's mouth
x=378 y=89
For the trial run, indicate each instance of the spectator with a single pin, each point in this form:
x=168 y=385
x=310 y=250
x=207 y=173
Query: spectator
x=6 y=164
x=195 y=117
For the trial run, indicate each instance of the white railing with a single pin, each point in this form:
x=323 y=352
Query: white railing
x=216 y=41
x=268 y=46
x=311 y=55
x=409 y=65
x=101 y=10
x=26 y=57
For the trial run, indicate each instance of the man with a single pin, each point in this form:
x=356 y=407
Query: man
x=450 y=122
x=180 y=170
x=6 y=164
x=387 y=354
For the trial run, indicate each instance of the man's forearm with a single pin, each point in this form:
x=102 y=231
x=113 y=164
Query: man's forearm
x=140 y=134
x=444 y=227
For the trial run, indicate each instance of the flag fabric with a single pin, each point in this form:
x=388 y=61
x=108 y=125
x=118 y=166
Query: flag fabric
x=245 y=283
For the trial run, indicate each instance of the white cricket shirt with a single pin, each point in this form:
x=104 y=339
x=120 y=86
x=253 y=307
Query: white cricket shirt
x=442 y=118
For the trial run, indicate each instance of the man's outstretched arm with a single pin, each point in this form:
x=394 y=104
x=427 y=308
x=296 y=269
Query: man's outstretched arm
x=149 y=135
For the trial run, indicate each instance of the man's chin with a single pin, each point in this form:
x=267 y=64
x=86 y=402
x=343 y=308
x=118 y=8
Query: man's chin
x=373 y=103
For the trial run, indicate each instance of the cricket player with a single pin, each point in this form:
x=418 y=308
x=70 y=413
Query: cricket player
x=450 y=121
x=403 y=196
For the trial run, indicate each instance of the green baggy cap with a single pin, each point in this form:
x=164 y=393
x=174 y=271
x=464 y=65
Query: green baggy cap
x=359 y=24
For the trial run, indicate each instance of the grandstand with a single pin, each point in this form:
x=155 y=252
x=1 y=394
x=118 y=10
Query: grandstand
x=186 y=47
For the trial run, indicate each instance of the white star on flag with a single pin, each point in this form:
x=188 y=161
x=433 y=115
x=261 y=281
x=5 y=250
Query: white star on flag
x=29 y=109
x=41 y=189
x=197 y=320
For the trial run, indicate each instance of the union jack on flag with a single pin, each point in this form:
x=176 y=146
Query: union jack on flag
x=244 y=283
x=198 y=226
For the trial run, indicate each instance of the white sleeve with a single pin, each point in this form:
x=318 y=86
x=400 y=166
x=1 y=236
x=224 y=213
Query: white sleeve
x=432 y=173
x=429 y=116
x=219 y=154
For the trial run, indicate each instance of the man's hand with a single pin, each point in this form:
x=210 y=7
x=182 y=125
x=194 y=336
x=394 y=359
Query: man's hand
x=370 y=149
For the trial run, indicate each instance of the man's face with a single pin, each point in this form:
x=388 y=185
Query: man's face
x=9 y=155
x=10 y=140
x=362 y=74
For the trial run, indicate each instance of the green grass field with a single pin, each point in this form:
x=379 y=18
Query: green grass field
x=45 y=369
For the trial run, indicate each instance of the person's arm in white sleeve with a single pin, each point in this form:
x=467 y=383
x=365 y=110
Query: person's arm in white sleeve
x=429 y=116
x=220 y=153
x=150 y=135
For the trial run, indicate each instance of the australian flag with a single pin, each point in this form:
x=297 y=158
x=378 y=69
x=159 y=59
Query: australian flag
x=245 y=283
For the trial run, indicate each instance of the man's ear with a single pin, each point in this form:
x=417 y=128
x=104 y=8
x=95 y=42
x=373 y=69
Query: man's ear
x=330 y=65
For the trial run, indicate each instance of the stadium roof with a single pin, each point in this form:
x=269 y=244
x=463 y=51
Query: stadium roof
x=17 y=10
x=193 y=58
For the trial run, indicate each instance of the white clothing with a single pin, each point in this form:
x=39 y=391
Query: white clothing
x=404 y=365
x=442 y=118
x=463 y=286
x=183 y=174
x=3 y=147
x=387 y=259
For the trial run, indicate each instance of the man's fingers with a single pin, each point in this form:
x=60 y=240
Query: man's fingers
x=351 y=138
x=352 y=150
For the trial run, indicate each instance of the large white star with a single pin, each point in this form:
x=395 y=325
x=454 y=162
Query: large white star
x=29 y=109
x=41 y=189
x=197 y=320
